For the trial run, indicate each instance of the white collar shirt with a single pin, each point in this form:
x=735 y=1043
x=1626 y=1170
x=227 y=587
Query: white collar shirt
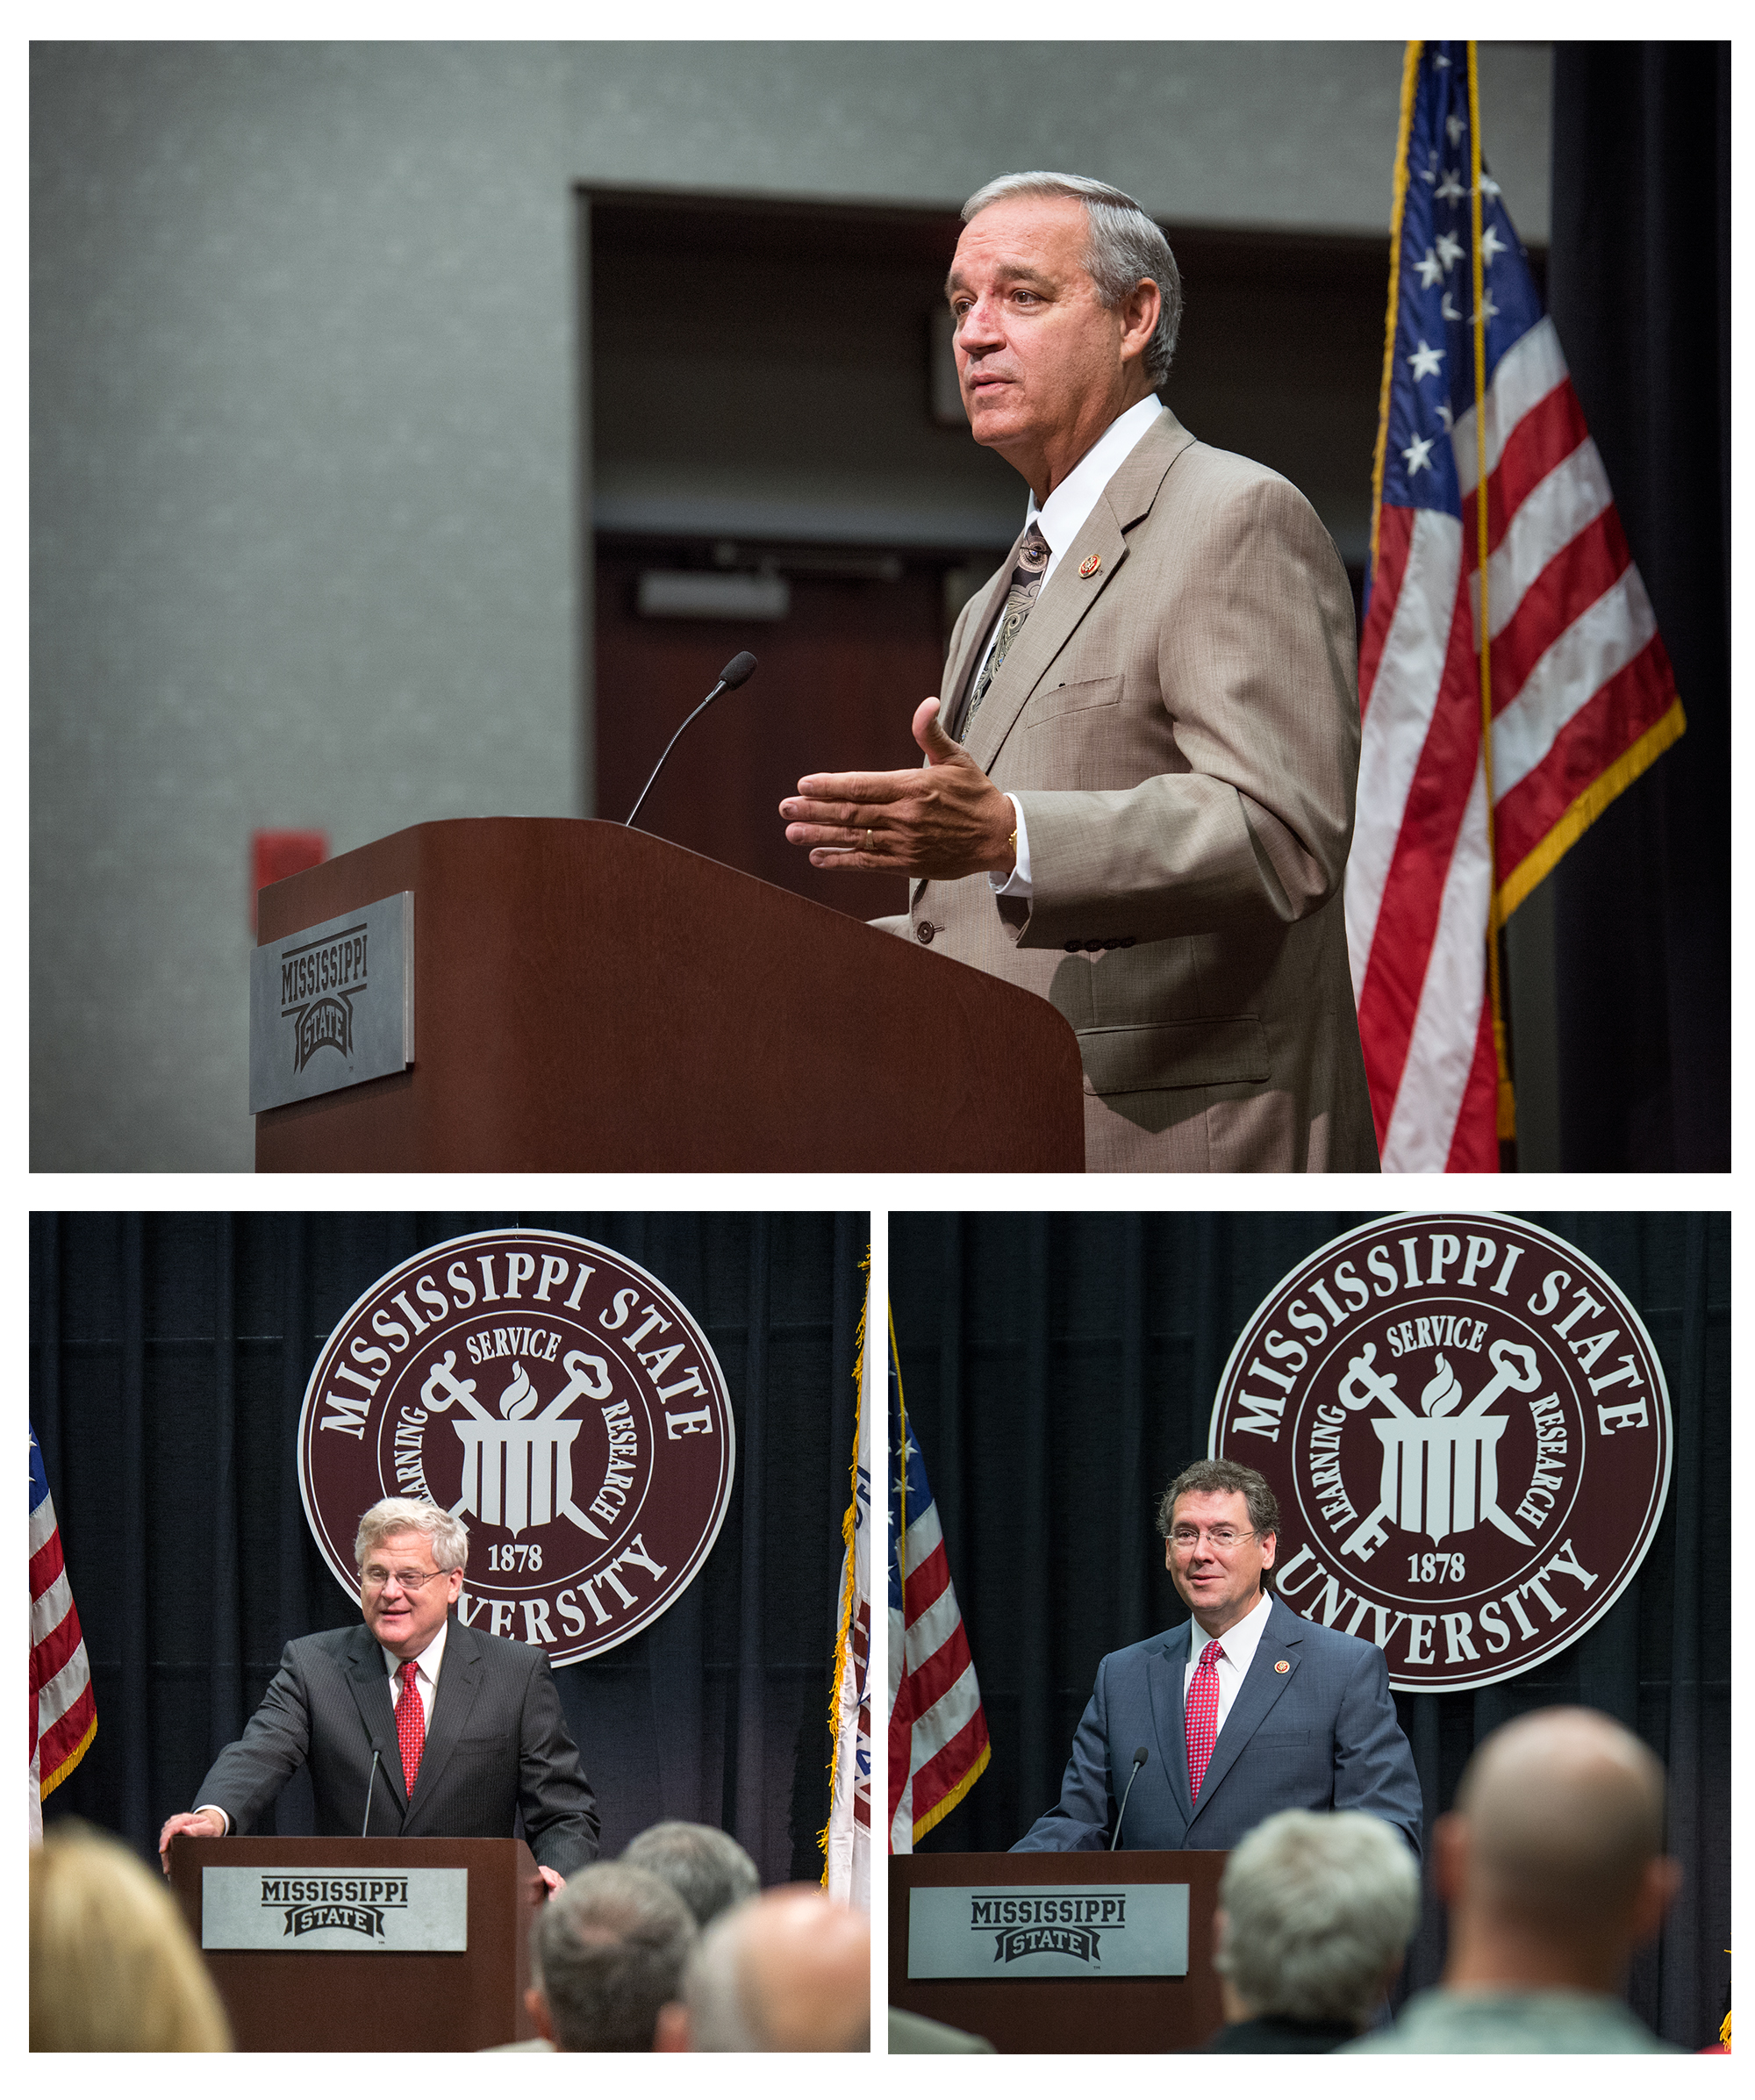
x=1060 y=520
x=426 y=1669
x=1232 y=1663
x=425 y=1682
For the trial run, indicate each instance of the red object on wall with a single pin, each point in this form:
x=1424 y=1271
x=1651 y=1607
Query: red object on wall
x=275 y=855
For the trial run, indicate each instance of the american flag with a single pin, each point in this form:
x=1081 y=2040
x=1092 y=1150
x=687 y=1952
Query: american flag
x=847 y=1841
x=64 y=1715
x=938 y=1733
x=1575 y=677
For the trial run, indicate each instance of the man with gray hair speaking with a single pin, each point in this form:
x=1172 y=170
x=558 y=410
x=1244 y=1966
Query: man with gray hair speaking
x=1137 y=798
x=412 y=1724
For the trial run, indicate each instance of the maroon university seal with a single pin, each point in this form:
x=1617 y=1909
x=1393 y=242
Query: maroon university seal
x=1468 y=1430
x=556 y=1398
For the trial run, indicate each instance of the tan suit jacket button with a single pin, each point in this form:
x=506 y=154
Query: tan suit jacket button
x=924 y=932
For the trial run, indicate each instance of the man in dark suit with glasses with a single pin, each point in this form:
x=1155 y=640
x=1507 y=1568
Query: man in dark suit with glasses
x=450 y=1732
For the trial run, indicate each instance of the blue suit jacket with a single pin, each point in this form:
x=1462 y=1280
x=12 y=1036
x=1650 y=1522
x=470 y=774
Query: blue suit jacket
x=1321 y=1733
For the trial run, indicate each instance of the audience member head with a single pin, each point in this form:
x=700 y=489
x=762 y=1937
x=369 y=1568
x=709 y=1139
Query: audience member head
x=1314 y=1914
x=1552 y=1862
x=112 y=1964
x=787 y=1970
x=708 y=1867
x=606 y=1954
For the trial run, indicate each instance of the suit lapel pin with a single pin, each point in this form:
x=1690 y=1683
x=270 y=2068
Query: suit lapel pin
x=1091 y=564
x=1280 y=1668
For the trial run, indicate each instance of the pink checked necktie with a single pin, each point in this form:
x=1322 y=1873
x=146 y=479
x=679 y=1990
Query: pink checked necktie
x=1203 y=1715
x=411 y=1726
x=1026 y=579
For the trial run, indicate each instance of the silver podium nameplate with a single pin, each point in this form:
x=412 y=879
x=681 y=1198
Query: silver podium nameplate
x=421 y=1910
x=1140 y=1929
x=332 y=1004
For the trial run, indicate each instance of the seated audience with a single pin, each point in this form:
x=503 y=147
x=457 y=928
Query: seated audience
x=787 y=1970
x=1314 y=1914
x=708 y=1867
x=112 y=1964
x=1552 y=1866
x=606 y=1952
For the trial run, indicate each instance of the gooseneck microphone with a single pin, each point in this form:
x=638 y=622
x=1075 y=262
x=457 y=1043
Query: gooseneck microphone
x=732 y=677
x=1139 y=1757
x=370 y=1783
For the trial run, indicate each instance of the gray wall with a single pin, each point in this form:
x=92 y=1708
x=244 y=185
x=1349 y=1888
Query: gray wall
x=304 y=397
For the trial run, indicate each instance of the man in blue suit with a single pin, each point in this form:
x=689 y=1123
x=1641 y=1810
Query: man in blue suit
x=1245 y=1711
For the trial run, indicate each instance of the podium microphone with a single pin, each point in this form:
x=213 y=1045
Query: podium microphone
x=732 y=677
x=370 y=1783
x=1139 y=1757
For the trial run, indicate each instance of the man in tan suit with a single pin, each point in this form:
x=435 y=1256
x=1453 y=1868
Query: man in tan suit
x=1148 y=815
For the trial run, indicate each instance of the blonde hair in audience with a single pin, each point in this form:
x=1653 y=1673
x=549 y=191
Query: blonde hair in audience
x=112 y=1964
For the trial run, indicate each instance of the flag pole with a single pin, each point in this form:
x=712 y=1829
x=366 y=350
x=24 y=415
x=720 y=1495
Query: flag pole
x=1410 y=82
x=1508 y=1104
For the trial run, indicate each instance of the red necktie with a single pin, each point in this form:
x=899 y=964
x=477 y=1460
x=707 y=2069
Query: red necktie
x=1203 y=1715
x=410 y=1727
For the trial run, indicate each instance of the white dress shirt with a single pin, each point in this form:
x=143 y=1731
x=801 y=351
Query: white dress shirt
x=426 y=1671
x=425 y=1682
x=1232 y=1663
x=1060 y=520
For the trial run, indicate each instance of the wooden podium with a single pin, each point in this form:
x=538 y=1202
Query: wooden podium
x=341 y=1999
x=1071 y=2015
x=590 y=998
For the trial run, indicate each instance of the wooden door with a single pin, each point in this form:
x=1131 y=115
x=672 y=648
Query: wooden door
x=835 y=687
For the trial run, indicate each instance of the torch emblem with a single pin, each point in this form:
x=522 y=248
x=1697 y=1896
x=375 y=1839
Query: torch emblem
x=518 y=1471
x=1440 y=1466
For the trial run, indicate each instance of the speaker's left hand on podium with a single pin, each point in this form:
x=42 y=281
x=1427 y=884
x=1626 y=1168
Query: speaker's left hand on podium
x=943 y=819
x=553 y=1880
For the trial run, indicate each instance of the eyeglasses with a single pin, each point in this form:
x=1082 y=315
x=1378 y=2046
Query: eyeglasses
x=1221 y=1539
x=411 y=1579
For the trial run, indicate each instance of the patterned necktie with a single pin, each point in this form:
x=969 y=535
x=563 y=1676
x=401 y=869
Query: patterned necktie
x=1027 y=580
x=1203 y=1715
x=410 y=1727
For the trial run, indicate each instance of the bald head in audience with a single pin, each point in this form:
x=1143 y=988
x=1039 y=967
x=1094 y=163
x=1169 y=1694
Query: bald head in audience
x=1552 y=1862
x=785 y=1971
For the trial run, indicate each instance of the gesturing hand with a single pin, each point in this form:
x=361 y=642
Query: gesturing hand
x=945 y=818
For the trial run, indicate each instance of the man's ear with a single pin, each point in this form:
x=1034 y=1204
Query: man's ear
x=672 y=2032
x=1658 y=1887
x=1450 y=1856
x=537 y=2006
x=1270 y=1546
x=1140 y=309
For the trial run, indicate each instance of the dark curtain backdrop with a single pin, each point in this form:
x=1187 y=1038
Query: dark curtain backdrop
x=1059 y=1372
x=1639 y=287
x=170 y=1356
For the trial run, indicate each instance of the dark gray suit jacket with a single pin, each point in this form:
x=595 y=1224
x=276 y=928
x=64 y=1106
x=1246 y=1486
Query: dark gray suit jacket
x=1321 y=1733
x=498 y=1744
